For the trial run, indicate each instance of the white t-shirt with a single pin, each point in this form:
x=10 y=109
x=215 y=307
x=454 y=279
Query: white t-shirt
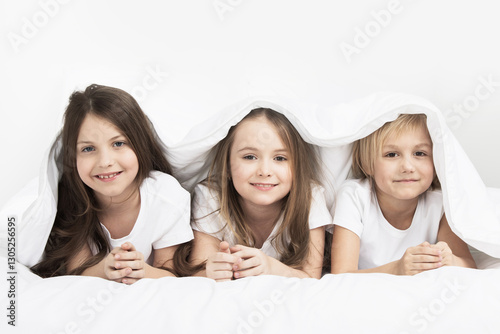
x=357 y=210
x=206 y=207
x=163 y=219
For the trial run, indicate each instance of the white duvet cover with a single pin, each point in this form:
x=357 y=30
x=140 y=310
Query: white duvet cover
x=441 y=301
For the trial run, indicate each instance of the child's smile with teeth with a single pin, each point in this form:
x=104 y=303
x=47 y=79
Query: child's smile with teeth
x=108 y=176
x=260 y=163
x=105 y=160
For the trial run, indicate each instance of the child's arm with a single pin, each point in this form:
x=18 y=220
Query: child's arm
x=454 y=251
x=216 y=254
x=254 y=262
x=345 y=250
x=345 y=256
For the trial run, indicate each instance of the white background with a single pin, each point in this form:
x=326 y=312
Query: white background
x=191 y=58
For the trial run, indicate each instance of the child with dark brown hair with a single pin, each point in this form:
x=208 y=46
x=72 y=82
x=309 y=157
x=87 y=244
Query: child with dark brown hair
x=120 y=213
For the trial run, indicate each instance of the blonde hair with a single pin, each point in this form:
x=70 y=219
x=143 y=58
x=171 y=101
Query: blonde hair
x=295 y=206
x=366 y=150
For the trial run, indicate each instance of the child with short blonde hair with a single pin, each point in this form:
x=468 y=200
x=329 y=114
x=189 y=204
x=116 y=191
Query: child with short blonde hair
x=390 y=218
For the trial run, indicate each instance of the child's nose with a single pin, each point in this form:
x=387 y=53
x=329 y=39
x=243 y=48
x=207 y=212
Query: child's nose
x=105 y=159
x=407 y=165
x=264 y=168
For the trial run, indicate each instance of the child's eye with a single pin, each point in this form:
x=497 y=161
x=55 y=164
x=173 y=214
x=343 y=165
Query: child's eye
x=118 y=144
x=280 y=158
x=88 y=149
x=391 y=155
x=420 y=154
x=249 y=157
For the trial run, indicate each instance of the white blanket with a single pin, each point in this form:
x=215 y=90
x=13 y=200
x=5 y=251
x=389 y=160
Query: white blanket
x=445 y=300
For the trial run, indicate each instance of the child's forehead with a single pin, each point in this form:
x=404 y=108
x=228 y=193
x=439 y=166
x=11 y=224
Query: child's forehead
x=93 y=119
x=416 y=134
x=94 y=125
x=257 y=133
x=258 y=127
x=254 y=121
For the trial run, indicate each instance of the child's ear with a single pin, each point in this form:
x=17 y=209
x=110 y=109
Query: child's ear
x=436 y=184
x=367 y=171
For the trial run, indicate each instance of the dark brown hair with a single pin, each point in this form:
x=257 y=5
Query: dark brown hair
x=76 y=224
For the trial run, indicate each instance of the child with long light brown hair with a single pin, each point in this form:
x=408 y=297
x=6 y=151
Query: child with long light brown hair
x=261 y=210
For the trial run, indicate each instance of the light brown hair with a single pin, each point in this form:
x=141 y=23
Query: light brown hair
x=295 y=206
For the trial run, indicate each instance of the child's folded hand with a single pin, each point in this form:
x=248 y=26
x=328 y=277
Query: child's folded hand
x=113 y=269
x=420 y=258
x=252 y=262
x=132 y=259
x=220 y=265
x=448 y=259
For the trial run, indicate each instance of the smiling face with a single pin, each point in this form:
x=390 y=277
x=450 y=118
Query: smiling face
x=260 y=163
x=105 y=161
x=404 y=169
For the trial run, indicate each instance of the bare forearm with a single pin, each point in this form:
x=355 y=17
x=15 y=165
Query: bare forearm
x=154 y=272
x=388 y=268
x=465 y=262
x=281 y=269
x=201 y=273
x=199 y=263
x=96 y=270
